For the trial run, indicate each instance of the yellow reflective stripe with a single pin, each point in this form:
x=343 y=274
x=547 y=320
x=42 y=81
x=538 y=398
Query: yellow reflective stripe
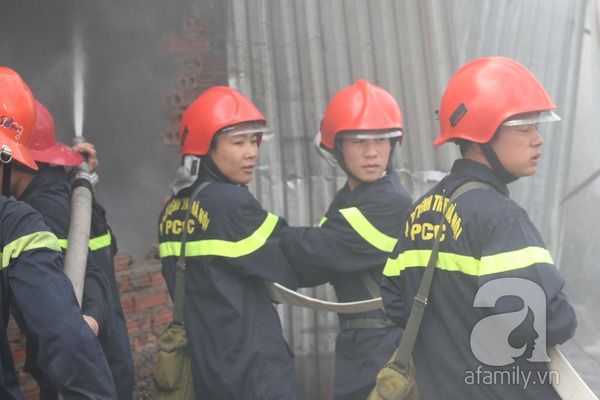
x=367 y=231
x=322 y=221
x=488 y=265
x=36 y=240
x=100 y=242
x=223 y=248
x=392 y=267
x=514 y=260
x=96 y=243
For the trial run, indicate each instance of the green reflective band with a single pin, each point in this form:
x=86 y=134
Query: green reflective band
x=514 y=260
x=37 y=240
x=323 y=220
x=96 y=243
x=63 y=243
x=363 y=227
x=393 y=266
x=488 y=265
x=100 y=242
x=223 y=248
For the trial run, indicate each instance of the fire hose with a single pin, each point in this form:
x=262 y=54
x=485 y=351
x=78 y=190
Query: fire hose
x=79 y=227
x=569 y=385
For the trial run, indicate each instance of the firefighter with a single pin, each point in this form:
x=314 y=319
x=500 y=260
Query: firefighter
x=33 y=284
x=360 y=128
x=496 y=302
x=236 y=341
x=48 y=191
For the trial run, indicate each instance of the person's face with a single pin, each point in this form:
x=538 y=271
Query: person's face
x=235 y=156
x=366 y=159
x=518 y=148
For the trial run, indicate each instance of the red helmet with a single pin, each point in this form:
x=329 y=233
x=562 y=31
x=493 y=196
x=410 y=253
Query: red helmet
x=484 y=93
x=44 y=147
x=215 y=109
x=17 y=117
x=360 y=107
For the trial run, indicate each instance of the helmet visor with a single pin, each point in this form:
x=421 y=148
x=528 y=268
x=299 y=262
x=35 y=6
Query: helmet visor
x=370 y=134
x=235 y=130
x=532 y=118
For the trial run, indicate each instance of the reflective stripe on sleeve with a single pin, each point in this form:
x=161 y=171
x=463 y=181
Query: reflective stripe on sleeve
x=64 y=243
x=493 y=264
x=223 y=248
x=96 y=243
x=323 y=220
x=100 y=242
x=514 y=260
x=367 y=231
x=36 y=240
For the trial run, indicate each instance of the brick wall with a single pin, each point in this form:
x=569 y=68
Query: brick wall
x=201 y=48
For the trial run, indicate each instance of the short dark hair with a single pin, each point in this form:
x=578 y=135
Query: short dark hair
x=463 y=145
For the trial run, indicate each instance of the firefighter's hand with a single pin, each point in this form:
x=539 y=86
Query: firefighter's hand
x=92 y=323
x=89 y=151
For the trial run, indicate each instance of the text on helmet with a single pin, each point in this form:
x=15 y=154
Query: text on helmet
x=10 y=123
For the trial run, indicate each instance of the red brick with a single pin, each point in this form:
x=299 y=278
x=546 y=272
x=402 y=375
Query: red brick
x=122 y=261
x=125 y=284
x=143 y=281
x=188 y=43
x=127 y=304
x=163 y=317
x=19 y=354
x=157 y=279
x=151 y=299
x=30 y=390
x=145 y=342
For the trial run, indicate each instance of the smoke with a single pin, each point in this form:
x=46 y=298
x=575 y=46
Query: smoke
x=125 y=76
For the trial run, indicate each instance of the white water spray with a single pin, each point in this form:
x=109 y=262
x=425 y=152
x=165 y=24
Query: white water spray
x=78 y=87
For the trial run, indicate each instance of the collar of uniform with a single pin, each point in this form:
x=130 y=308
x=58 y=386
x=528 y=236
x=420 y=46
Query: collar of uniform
x=43 y=177
x=479 y=172
x=348 y=196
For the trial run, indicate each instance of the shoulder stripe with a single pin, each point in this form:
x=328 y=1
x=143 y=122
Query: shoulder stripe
x=367 y=231
x=223 y=248
x=493 y=264
x=36 y=240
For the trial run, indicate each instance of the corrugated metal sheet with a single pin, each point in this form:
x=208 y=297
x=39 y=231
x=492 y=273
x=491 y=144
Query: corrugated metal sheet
x=579 y=258
x=291 y=56
x=546 y=36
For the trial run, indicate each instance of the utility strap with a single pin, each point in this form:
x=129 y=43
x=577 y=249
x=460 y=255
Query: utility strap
x=409 y=338
x=180 y=274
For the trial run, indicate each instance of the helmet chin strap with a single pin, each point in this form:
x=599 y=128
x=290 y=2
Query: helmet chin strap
x=212 y=168
x=337 y=152
x=6 y=179
x=497 y=166
x=6 y=159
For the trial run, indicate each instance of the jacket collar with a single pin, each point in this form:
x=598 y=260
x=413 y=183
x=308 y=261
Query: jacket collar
x=479 y=172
